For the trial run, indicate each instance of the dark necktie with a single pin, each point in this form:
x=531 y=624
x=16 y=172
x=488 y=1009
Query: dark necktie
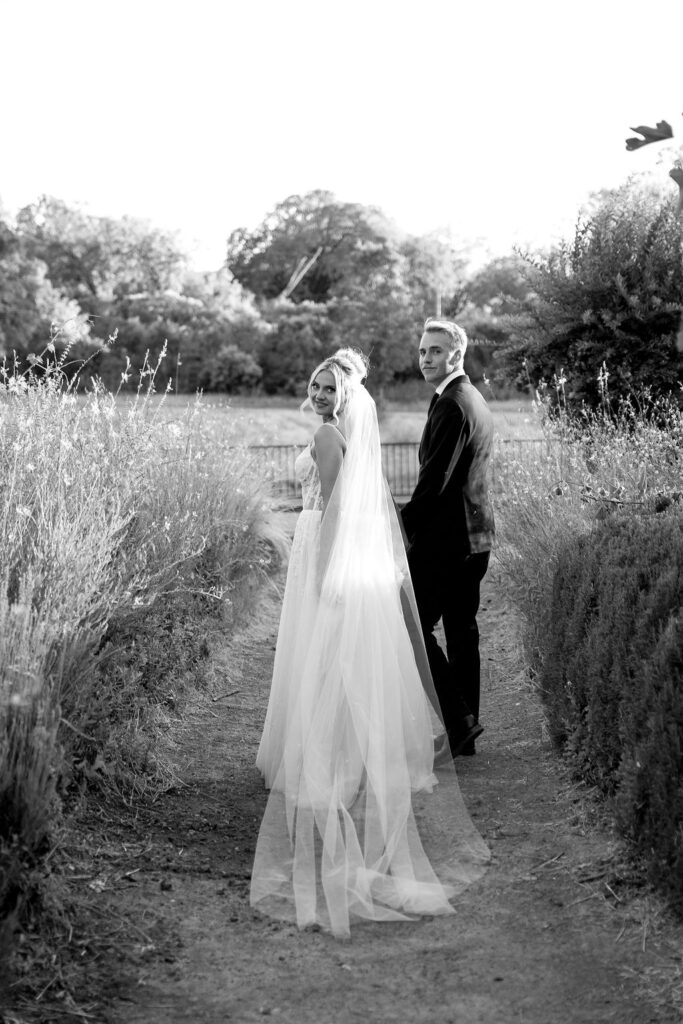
x=433 y=402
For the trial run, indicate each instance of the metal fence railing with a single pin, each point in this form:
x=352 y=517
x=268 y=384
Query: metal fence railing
x=275 y=463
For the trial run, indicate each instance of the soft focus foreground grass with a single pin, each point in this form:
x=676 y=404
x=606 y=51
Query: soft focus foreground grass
x=125 y=538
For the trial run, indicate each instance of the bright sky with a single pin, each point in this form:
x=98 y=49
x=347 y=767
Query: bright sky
x=492 y=118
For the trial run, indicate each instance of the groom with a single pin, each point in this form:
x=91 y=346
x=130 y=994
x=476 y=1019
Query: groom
x=450 y=528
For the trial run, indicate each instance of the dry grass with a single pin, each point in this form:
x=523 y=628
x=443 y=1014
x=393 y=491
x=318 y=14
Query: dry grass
x=279 y=421
x=120 y=531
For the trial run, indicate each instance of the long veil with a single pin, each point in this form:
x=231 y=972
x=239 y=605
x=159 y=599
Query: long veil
x=359 y=824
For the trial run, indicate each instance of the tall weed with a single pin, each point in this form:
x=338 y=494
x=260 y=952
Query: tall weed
x=621 y=458
x=121 y=537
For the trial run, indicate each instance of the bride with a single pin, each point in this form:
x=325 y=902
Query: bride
x=357 y=825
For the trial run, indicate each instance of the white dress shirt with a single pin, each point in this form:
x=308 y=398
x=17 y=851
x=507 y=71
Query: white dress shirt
x=446 y=381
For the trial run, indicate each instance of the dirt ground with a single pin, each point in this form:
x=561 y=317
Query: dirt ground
x=553 y=934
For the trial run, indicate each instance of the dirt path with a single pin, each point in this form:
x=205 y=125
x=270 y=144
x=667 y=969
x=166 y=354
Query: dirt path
x=547 y=937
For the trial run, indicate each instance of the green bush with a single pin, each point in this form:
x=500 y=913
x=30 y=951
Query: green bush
x=591 y=538
x=611 y=677
x=301 y=337
x=231 y=370
x=610 y=295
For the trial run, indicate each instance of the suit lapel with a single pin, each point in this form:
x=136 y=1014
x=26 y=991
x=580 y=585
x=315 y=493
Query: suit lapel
x=425 y=432
x=435 y=398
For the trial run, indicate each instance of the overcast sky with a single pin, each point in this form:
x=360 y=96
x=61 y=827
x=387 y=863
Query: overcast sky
x=492 y=119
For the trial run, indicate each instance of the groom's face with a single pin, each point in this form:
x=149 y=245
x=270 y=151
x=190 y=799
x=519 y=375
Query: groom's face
x=437 y=357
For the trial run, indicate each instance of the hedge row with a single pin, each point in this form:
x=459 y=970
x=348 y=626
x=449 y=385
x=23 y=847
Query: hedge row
x=612 y=679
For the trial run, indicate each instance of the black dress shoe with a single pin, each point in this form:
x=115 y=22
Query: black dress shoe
x=462 y=742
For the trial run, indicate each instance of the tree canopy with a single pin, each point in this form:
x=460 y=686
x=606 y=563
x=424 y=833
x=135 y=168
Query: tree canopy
x=610 y=295
x=92 y=259
x=93 y=277
x=318 y=273
x=340 y=244
x=376 y=284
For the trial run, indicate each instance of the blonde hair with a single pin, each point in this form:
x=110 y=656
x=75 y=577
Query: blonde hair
x=349 y=367
x=458 y=337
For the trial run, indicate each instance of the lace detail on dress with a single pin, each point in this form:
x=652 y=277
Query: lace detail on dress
x=307 y=474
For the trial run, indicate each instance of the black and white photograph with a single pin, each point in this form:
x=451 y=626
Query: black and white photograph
x=341 y=512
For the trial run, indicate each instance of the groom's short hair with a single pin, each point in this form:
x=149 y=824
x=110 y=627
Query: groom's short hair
x=457 y=335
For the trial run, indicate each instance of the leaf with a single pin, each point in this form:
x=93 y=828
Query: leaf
x=658 y=134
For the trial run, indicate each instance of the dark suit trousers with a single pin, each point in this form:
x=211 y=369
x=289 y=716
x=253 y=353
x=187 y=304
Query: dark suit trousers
x=448 y=588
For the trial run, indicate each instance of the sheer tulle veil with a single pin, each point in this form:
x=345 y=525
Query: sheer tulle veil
x=359 y=824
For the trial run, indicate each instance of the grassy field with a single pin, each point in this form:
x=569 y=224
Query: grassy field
x=274 y=421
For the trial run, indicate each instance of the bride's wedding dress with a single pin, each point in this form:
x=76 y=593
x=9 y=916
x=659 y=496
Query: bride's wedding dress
x=357 y=823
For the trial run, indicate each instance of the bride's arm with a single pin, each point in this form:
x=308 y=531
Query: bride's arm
x=329 y=455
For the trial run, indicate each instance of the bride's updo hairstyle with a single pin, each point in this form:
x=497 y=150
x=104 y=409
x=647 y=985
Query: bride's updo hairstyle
x=349 y=368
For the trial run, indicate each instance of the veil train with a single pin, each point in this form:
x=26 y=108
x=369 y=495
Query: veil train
x=359 y=824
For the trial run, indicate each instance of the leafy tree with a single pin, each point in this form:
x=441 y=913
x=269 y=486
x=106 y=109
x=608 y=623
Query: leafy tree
x=493 y=294
x=20 y=280
x=380 y=320
x=612 y=295
x=340 y=244
x=195 y=323
x=131 y=280
x=232 y=370
x=371 y=283
x=93 y=259
x=435 y=270
x=301 y=335
x=498 y=287
x=30 y=304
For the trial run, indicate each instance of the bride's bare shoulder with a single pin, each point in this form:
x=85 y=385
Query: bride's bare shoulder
x=328 y=438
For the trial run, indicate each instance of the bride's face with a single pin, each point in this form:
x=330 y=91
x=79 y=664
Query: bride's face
x=323 y=394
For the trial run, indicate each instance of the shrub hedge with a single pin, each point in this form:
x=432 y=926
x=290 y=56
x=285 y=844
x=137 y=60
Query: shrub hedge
x=611 y=677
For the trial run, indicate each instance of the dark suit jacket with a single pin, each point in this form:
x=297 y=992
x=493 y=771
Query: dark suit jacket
x=450 y=509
